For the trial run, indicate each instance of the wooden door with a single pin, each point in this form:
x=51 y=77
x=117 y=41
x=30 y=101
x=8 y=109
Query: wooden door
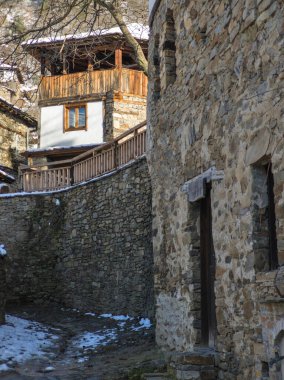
x=207 y=262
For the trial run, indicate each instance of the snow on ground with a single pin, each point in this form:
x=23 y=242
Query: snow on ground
x=3 y=251
x=144 y=323
x=90 y=340
x=117 y=317
x=21 y=340
x=4 y=368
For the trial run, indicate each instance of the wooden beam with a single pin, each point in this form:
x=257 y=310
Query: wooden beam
x=118 y=58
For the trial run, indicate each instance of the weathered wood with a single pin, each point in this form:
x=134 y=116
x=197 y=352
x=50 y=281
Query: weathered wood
x=93 y=82
x=87 y=165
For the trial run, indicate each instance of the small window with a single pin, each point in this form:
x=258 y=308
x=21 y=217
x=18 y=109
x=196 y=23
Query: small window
x=75 y=118
x=264 y=220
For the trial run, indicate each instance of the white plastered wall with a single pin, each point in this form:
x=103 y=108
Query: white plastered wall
x=52 y=131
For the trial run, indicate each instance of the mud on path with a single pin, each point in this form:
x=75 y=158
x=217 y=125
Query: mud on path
x=127 y=350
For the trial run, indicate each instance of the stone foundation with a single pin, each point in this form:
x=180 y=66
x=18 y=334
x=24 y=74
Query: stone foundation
x=2 y=289
x=88 y=248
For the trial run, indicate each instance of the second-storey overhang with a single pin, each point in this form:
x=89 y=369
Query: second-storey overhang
x=77 y=53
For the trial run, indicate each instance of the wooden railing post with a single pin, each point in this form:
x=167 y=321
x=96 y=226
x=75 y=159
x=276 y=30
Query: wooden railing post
x=72 y=175
x=116 y=155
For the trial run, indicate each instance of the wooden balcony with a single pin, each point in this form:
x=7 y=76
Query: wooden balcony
x=89 y=83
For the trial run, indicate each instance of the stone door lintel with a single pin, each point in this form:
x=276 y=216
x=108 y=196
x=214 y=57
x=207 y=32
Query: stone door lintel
x=196 y=187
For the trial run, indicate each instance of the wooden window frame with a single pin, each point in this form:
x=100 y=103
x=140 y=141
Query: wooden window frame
x=66 y=117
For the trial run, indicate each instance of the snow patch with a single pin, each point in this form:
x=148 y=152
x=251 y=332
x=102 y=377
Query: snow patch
x=3 y=251
x=90 y=314
x=117 y=317
x=144 y=323
x=21 y=339
x=4 y=368
x=7 y=175
x=49 y=369
x=28 y=87
x=90 y=340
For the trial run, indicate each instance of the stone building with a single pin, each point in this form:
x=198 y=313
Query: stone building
x=2 y=284
x=16 y=128
x=215 y=151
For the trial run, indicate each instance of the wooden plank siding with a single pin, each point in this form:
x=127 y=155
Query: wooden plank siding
x=93 y=163
x=93 y=82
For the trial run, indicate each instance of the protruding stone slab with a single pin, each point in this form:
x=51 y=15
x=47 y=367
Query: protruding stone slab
x=196 y=187
x=201 y=357
x=155 y=376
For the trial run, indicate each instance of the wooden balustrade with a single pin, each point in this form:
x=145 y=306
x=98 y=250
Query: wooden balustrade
x=93 y=82
x=88 y=165
x=46 y=180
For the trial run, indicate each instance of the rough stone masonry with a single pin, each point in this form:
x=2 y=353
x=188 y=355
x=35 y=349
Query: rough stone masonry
x=216 y=99
x=2 y=288
x=89 y=247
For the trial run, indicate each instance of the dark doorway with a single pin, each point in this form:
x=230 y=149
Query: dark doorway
x=207 y=265
x=273 y=253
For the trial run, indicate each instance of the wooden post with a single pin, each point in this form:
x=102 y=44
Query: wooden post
x=90 y=65
x=116 y=158
x=64 y=64
x=72 y=175
x=118 y=58
x=118 y=65
x=42 y=64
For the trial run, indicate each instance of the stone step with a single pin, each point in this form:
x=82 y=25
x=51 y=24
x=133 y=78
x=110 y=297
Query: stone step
x=155 y=376
x=196 y=365
x=195 y=375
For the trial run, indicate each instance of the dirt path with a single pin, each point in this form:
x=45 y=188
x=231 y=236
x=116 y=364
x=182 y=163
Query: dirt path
x=122 y=355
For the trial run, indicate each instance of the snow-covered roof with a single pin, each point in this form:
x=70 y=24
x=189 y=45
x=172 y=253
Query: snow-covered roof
x=7 y=176
x=18 y=113
x=138 y=31
x=5 y=66
x=63 y=147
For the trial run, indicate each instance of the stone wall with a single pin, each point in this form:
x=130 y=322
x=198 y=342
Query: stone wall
x=88 y=247
x=13 y=140
x=122 y=112
x=216 y=99
x=2 y=289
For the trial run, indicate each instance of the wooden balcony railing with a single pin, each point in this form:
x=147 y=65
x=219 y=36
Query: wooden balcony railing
x=93 y=82
x=93 y=163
